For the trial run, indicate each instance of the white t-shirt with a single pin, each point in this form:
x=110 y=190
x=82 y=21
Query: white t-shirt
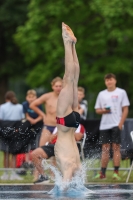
x=115 y=100
x=84 y=106
x=12 y=112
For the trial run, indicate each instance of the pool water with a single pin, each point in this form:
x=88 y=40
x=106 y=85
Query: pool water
x=40 y=192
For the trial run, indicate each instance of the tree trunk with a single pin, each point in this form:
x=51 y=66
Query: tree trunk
x=3 y=88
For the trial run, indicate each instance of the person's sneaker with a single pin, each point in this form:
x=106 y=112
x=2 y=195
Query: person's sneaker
x=31 y=166
x=100 y=176
x=21 y=172
x=5 y=176
x=15 y=176
x=116 y=176
x=42 y=179
x=25 y=165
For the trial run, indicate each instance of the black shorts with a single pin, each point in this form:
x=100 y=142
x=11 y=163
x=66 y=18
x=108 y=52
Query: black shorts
x=49 y=150
x=110 y=136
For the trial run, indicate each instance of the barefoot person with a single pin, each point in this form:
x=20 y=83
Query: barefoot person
x=68 y=118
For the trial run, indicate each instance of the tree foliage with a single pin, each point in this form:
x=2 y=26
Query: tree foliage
x=104 y=41
x=12 y=14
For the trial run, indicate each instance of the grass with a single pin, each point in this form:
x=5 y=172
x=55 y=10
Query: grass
x=26 y=179
x=91 y=163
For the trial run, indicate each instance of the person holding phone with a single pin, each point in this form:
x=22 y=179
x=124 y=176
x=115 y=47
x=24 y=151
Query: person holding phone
x=112 y=103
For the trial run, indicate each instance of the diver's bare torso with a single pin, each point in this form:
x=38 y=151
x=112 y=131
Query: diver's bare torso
x=66 y=152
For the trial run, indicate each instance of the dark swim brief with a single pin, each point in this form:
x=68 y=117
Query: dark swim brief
x=50 y=128
x=71 y=120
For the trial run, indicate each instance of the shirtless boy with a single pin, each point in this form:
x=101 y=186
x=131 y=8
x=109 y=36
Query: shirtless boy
x=50 y=102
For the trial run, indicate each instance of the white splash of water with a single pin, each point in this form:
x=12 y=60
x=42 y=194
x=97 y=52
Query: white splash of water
x=74 y=188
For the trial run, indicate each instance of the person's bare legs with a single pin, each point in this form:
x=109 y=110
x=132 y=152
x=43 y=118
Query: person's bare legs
x=6 y=160
x=76 y=78
x=105 y=155
x=35 y=175
x=116 y=154
x=13 y=161
x=45 y=137
x=37 y=156
x=75 y=96
x=64 y=105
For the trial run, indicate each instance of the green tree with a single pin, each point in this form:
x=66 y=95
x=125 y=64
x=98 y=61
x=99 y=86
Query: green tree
x=12 y=14
x=104 y=32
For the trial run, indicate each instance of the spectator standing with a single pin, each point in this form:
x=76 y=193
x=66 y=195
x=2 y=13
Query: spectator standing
x=112 y=103
x=83 y=104
x=50 y=102
x=30 y=114
x=10 y=111
x=47 y=151
x=34 y=119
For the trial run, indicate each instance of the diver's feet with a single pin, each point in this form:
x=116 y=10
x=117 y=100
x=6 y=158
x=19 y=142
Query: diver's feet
x=100 y=175
x=42 y=179
x=116 y=176
x=68 y=34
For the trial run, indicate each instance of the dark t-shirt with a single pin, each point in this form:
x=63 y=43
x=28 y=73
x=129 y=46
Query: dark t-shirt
x=28 y=110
